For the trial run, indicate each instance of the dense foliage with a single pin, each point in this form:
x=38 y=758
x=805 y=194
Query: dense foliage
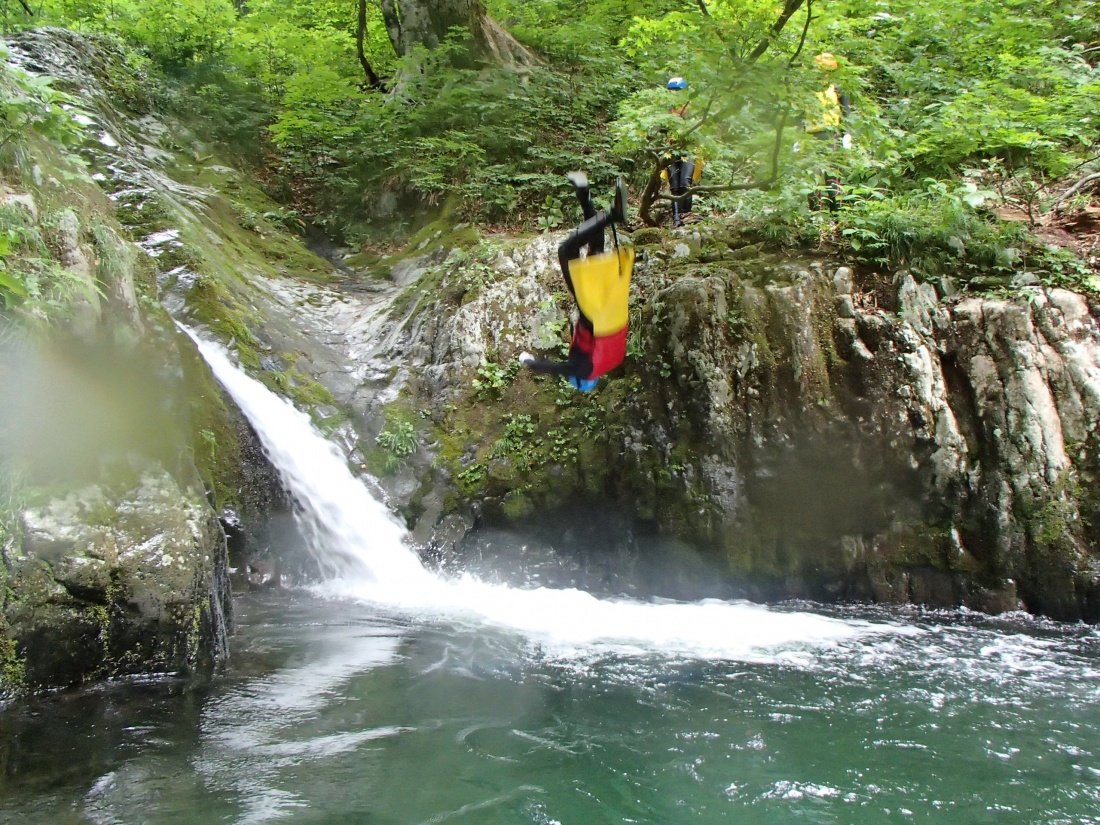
x=32 y=283
x=960 y=111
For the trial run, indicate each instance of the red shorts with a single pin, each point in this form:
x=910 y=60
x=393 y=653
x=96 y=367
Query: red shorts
x=606 y=351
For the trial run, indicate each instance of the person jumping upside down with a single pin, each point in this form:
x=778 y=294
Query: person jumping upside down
x=600 y=284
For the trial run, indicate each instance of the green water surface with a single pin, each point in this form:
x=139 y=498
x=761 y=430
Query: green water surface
x=331 y=712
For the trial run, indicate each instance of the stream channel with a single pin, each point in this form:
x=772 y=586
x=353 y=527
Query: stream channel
x=389 y=694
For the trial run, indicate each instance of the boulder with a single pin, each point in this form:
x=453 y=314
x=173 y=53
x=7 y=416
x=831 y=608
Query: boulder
x=122 y=579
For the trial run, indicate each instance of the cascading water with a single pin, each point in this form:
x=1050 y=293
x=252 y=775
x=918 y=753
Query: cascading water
x=351 y=534
x=364 y=554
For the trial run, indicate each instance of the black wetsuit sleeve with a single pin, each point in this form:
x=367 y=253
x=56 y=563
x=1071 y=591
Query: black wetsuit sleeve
x=551 y=367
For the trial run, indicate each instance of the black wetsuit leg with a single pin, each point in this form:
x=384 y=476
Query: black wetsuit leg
x=687 y=176
x=579 y=365
x=587 y=207
x=829 y=196
x=675 y=172
x=680 y=174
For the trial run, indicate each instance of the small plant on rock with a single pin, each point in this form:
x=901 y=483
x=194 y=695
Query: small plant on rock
x=491 y=379
x=399 y=439
x=516 y=442
x=553 y=214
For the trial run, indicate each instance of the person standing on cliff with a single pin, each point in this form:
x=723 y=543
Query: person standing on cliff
x=683 y=170
x=826 y=123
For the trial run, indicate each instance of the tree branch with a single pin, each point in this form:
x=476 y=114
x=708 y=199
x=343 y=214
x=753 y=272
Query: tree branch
x=652 y=191
x=701 y=120
x=789 y=8
x=652 y=187
x=1084 y=183
x=805 y=31
x=26 y=8
x=762 y=183
x=778 y=144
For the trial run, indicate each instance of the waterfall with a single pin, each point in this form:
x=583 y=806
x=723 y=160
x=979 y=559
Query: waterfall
x=353 y=536
x=364 y=554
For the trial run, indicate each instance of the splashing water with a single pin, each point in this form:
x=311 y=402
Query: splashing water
x=364 y=554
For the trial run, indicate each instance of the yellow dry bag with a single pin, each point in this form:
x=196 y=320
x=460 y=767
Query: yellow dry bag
x=602 y=285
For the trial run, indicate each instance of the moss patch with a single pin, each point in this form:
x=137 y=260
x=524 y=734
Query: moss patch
x=532 y=442
x=214 y=438
x=211 y=303
x=13 y=667
x=1053 y=523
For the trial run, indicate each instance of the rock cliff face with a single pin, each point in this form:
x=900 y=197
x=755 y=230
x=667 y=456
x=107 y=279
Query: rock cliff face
x=125 y=452
x=113 y=558
x=111 y=582
x=943 y=453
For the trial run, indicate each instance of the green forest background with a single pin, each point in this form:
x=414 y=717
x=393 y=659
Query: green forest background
x=971 y=121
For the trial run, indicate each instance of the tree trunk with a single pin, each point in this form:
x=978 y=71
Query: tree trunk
x=412 y=23
x=373 y=80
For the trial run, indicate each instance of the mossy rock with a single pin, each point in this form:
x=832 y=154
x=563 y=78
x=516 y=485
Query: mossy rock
x=89 y=599
x=648 y=236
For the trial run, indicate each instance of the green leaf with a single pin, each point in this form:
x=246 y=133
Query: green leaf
x=11 y=285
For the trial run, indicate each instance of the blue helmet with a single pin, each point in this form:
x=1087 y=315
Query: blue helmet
x=677 y=83
x=583 y=384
